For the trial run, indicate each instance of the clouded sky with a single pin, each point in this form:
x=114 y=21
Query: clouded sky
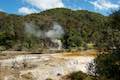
x=34 y=6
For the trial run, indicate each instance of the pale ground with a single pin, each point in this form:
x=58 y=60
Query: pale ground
x=43 y=66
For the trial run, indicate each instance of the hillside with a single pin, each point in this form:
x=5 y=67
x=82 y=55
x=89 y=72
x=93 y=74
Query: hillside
x=52 y=28
x=70 y=40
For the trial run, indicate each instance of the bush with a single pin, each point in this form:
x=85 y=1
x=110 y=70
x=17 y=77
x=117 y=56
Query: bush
x=80 y=76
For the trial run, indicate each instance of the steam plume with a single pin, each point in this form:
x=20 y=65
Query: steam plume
x=54 y=34
x=31 y=29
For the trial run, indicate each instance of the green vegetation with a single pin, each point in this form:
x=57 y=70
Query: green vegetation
x=79 y=76
x=81 y=28
x=106 y=66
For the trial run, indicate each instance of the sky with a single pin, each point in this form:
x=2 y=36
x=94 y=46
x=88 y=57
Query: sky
x=24 y=7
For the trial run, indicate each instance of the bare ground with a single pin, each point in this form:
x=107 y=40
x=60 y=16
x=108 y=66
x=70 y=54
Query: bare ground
x=27 y=66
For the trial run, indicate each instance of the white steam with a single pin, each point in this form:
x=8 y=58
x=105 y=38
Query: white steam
x=58 y=41
x=54 y=34
x=31 y=29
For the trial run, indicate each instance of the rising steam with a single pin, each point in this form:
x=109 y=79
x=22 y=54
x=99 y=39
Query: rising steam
x=31 y=29
x=54 y=34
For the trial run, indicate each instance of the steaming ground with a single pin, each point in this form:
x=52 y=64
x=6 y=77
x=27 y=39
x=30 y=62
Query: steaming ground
x=54 y=34
x=44 y=66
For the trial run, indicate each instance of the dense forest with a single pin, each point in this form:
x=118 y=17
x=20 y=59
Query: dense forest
x=82 y=29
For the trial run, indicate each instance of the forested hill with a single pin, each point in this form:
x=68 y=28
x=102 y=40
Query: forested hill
x=75 y=29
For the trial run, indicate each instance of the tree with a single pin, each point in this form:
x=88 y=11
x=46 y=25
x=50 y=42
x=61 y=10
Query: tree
x=72 y=38
x=108 y=64
x=115 y=21
x=5 y=40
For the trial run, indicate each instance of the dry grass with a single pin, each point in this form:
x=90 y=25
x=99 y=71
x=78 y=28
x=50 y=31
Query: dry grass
x=6 y=72
x=12 y=54
x=81 y=53
x=27 y=76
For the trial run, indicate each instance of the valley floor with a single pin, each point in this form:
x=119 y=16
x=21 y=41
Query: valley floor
x=44 y=66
